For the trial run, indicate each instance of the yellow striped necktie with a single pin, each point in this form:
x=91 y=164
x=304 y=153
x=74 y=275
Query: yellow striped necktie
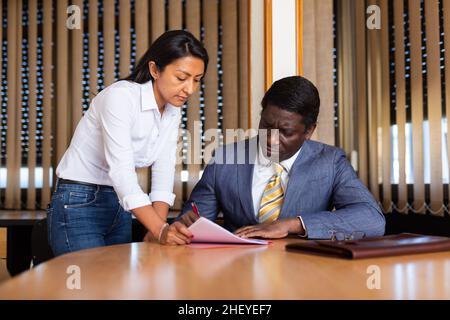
x=272 y=199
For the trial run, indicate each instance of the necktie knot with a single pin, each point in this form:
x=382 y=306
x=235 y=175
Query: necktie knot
x=279 y=169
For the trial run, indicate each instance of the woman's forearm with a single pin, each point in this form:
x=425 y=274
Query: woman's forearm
x=150 y=218
x=162 y=209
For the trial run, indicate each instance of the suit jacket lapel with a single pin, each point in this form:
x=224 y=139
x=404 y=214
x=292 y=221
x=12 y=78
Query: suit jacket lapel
x=245 y=179
x=298 y=175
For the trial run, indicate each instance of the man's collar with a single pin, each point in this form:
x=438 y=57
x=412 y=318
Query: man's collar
x=287 y=164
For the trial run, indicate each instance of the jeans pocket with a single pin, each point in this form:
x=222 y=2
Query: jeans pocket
x=80 y=199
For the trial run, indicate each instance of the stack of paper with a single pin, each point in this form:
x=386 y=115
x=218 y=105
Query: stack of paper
x=206 y=231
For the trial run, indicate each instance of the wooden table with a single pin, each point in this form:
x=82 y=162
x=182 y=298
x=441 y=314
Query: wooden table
x=151 y=271
x=14 y=218
x=19 y=225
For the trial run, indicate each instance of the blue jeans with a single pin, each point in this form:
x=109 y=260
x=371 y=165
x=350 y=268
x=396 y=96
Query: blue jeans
x=81 y=217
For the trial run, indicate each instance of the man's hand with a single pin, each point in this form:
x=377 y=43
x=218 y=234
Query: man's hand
x=271 y=230
x=176 y=234
x=188 y=218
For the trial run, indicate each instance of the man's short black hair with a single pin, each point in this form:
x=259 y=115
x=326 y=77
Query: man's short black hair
x=295 y=94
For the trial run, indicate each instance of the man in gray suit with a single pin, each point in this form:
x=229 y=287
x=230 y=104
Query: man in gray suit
x=285 y=183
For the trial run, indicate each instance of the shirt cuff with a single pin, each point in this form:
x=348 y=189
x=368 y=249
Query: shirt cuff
x=134 y=201
x=164 y=196
x=305 y=235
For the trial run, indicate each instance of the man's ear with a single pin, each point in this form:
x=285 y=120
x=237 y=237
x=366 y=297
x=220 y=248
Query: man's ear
x=153 y=68
x=310 y=131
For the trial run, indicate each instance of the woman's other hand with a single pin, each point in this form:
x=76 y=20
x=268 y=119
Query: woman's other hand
x=175 y=234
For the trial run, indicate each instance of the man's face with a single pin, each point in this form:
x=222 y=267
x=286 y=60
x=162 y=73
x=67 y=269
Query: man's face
x=289 y=135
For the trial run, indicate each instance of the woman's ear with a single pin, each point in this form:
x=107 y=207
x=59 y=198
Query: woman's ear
x=153 y=68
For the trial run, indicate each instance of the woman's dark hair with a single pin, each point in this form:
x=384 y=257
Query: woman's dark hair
x=170 y=46
x=294 y=94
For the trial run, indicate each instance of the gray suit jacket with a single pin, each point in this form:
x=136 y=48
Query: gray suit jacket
x=320 y=180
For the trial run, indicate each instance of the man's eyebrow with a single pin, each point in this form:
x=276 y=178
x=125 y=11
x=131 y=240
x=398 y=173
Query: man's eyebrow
x=188 y=74
x=282 y=125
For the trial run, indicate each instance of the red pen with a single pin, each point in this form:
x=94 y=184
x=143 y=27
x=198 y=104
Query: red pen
x=194 y=207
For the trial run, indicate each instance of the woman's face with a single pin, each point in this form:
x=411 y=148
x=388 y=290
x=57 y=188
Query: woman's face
x=178 y=81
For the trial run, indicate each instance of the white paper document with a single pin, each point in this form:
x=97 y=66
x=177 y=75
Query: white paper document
x=206 y=231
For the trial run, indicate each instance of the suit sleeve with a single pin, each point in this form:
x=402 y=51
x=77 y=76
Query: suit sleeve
x=355 y=207
x=204 y=195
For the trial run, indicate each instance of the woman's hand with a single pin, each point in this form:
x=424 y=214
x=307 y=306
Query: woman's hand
x=149 y=237
x=175 y=234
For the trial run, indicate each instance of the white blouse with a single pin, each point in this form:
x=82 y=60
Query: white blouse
x=121 y=131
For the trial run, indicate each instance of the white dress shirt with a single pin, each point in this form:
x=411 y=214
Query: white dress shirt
x=263 y=170
x=121 y=131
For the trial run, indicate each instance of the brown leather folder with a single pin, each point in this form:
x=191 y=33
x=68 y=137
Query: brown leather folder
x=400 y=244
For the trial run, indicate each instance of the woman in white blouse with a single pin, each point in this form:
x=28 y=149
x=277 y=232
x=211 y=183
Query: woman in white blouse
x=133 y=123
